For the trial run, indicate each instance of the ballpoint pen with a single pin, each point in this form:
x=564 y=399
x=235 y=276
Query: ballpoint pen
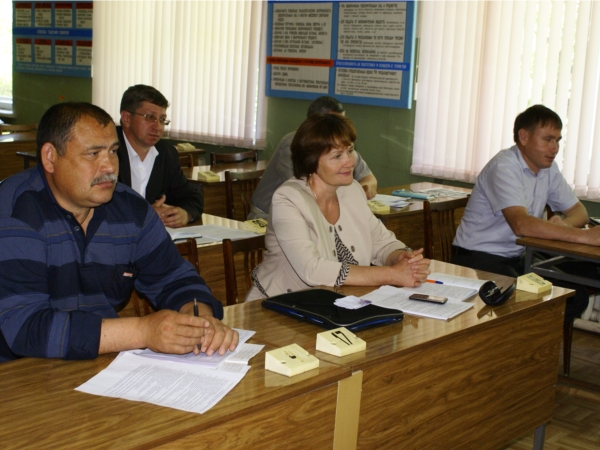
x=196 y=315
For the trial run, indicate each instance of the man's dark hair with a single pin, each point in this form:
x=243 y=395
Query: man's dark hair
x=534 y=116
x=134 y=96
x=316 y=136
x=58 y=121
x=324 y=105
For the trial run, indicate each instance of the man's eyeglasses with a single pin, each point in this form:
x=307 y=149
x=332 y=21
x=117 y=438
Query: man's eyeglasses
x=153 y=119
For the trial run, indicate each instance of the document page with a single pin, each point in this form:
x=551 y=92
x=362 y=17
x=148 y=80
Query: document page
x=209 y=233
x=397 y=298
x=187 y=387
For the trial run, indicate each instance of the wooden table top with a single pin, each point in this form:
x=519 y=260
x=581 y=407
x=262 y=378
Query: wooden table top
x=18 y=137
x=568 y=248
x=220 y=169
x=417 y=205
x=40 y=407
x=412 y=333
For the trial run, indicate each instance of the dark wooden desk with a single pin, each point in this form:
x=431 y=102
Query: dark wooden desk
x=28 y=158
x=480 y=381
x=562 y=252
x=10 y=144
x=214 y=193
x=41 y=409
x=407 y=222
x=477 y=381
x=196 y=153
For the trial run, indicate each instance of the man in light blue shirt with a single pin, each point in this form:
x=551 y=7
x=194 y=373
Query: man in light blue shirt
x=509 y=198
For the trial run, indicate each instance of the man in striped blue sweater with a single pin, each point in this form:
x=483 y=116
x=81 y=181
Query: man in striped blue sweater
x=73 y=244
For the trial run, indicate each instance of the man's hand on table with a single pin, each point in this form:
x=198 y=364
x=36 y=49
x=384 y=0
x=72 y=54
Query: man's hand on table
x=171 y=216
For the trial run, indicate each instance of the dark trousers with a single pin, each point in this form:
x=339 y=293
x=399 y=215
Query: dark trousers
x=515 y=267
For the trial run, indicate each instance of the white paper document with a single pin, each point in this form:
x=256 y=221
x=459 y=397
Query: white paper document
x=442 y=192
x=392 y=200
x=189 y=382
x=188 y=387
x=213 y=361
x=209 y=233
x=397 y=298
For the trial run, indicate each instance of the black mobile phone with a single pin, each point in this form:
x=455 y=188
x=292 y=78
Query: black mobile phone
x=429 y=298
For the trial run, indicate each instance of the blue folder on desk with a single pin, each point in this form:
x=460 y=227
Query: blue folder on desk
x=410 y=194
x=317 y=306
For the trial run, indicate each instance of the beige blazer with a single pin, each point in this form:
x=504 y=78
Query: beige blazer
x=301 y=243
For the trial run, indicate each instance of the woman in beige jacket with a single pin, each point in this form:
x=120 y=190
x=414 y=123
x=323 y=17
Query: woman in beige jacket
x=321 y=231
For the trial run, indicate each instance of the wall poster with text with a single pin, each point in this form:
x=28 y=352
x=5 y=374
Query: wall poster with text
x=53 y=38
x=356 y=51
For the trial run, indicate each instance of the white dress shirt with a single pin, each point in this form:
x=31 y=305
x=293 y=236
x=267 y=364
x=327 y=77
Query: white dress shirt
x=140 y=170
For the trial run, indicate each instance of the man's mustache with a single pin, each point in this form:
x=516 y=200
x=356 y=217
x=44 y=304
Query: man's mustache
x=104 y=178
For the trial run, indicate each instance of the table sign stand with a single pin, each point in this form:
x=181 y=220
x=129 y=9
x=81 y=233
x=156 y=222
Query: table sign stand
x=290 y=360
x=339 y=342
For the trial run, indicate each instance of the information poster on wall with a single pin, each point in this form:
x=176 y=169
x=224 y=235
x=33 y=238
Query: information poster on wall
x=53 y=38
x=357 y=51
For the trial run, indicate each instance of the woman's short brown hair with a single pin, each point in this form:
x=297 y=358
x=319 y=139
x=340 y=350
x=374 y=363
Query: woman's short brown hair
x=316 y=136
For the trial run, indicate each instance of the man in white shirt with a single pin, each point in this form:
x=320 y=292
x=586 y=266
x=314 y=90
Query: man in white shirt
x=151 y=166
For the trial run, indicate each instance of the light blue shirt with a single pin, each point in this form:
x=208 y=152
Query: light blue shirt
x=508 y=181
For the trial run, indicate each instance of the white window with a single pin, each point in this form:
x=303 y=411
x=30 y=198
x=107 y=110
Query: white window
x=6 y=61
x=203 y=56
x=481 y=63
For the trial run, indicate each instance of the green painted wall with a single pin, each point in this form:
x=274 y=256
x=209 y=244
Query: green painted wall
x=33 y=94
x=385 y=135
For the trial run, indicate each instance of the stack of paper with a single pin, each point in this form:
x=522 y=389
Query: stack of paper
x=193 y=383
x=392 y=200
x=442 y=192
x=205 y=234
x=456 y=289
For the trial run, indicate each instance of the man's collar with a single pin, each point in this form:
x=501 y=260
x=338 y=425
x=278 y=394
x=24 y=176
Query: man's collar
x=131 y=151
x=522 y=161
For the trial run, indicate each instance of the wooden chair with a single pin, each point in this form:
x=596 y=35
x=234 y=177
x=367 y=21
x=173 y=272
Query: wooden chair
x=252 y=249
x=189 y=250
x=443 y=221
x=221 y=158
x=186 y=160
x=7 y=128
x=244 y=183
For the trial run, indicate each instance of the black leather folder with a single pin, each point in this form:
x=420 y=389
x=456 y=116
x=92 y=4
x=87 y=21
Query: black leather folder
x=317 y=306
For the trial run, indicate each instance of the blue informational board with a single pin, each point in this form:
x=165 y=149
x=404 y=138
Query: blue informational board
x=53 y=38
x=356 y=51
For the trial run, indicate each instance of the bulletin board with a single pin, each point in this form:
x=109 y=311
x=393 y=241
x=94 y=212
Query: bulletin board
x=356 y=51
x=53 y=38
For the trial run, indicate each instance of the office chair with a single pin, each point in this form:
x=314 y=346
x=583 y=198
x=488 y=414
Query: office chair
x=443 y=221
x=219 y=158
x=186 y=160
x=252 y=249
x=244 y=183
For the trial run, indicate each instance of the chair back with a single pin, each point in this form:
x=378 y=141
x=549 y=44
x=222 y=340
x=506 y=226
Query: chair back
x=243 y=184
x=186 y=160
x=7 y=128
x=189 y=250
x=440 y=216
x=252 y=249
x=222 y=158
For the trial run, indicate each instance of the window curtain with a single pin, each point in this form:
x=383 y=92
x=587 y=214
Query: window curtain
x=481 y=63
x=204 y=56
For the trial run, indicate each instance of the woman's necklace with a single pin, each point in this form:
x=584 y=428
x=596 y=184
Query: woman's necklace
x=317 y=199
